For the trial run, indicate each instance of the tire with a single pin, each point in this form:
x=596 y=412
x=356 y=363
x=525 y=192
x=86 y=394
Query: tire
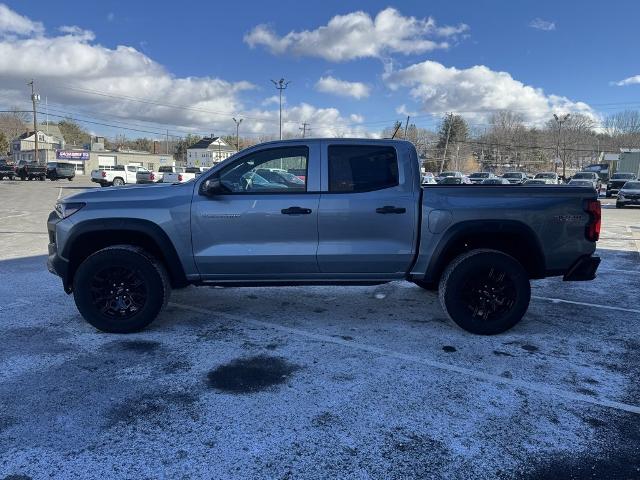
x=70 y=179
x=619 y=205
x=470 y=302
x=118 y=182
x=42 y=179
x=126 y=312
x=608 y=195
x=429 y=286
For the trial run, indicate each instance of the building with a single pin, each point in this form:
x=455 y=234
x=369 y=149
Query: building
x=208 y=151
x=23 y=147
x=96 y=156
x=629 y=161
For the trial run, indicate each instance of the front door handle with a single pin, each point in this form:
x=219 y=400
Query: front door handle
x=295 y=211
x=391 y=209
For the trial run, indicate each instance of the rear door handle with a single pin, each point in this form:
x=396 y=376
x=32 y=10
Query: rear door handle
x=295 y=211
x=391 y=209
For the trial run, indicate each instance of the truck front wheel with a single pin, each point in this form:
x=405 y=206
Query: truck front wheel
x=485 y=291
x=120 y=289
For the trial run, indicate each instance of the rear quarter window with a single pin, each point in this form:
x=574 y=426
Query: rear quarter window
x=362 y=168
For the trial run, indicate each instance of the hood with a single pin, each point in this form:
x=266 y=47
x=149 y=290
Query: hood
x=131 y=193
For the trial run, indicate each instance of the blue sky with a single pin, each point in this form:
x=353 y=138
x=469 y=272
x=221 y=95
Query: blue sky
x=580 y=50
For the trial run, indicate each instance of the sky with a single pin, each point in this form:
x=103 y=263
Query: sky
x=353 y=67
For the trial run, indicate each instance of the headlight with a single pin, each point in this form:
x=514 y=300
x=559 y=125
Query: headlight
x=65 y=210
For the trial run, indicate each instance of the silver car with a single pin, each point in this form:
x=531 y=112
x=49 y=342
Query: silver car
x=629 y=194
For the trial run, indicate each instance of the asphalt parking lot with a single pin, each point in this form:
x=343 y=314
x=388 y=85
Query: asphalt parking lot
x=313 y=382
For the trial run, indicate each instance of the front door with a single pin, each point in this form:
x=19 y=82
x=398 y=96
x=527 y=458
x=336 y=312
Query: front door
x=266 y=221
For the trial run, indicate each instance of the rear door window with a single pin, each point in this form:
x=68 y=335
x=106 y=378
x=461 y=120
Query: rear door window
x=362 y=168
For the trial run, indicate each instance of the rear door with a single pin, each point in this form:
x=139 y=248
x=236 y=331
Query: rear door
x=368 y=208
x=260 y=228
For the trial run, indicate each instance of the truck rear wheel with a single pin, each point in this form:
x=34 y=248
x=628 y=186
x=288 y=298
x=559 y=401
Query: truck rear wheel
x=118 y=182
x=485 y=291
x=121 y=289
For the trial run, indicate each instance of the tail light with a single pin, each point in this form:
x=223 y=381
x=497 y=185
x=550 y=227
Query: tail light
x=179 y=177
x=152 y=177
x=592 y=231
x=104 y=174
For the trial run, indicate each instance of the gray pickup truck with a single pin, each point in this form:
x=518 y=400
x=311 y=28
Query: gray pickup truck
x=335 y=212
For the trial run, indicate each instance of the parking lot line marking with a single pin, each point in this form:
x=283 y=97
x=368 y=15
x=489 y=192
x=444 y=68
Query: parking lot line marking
x=636 y=242
x=488 y=377
x=586 y=304
x=15 y=216
x=59 y=193
x=617 y=270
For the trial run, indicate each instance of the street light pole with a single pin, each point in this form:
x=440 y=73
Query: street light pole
x=35 y=98
x=237 y=122
x=560 y=121
x=281 y=85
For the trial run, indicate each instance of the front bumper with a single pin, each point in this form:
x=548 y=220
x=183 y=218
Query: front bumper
x=583 y=269
x=628 y=201
x=55 y=263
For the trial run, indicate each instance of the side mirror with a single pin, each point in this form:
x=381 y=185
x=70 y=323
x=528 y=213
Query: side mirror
x=211 y=187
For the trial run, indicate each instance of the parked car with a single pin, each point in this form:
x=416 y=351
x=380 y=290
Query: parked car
x=7 y=171
x=116 y=175
x=629 y=194
x=182 y=175
x=60 y=170
x=535 y=181
x=617 y=181
x=454 y=181
x=515 y=177
x=281 y=176
x=30 y=171
x=550 y=178
x=588 y=176
x=444 y=175
x=144 y=176
x=496 y=181
x=479 y=177
x=577 y=182
x=364 y=219
x=428 y=179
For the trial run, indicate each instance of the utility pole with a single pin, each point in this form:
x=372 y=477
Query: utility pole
x=34 y=98
x=305 y=127
x=560 y=121
x=237 y=122
x=406 y=125
x=446 y=143
x=281 y=85
x=167 y=143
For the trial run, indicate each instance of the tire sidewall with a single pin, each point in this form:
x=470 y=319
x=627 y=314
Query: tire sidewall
x=472 y=264
x=129 y=258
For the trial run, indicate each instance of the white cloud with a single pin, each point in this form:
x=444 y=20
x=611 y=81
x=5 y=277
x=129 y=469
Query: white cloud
x=477 y=92
x=402 y=110
x=77 y=74
x=111 y=17
x=540 y=24
x=357 y=35
x=342 y=88
x=274 y=100
x=356 y=118
x=14 y=23
x=628 y=81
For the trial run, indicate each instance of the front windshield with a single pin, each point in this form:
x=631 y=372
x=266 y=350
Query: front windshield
x=512 y=175
x=632 y=186
x=585 y=175
x=545 y=175
x=621 y=176
x=479 y=175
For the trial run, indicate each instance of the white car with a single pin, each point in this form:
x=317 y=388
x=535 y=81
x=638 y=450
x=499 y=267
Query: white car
x=550 y=178
x=182 y=175
x=428 y=179
x=116 y=175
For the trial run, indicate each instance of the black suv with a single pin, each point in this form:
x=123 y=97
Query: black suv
x=616 y=182
x=58 y=170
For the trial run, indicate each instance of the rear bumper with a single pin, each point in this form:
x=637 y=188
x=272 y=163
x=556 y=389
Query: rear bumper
x=100 y=181
x=583 y=269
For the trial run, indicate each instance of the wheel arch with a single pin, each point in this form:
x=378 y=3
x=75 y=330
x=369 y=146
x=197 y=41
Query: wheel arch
x=93 y=235
x=509 y=236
